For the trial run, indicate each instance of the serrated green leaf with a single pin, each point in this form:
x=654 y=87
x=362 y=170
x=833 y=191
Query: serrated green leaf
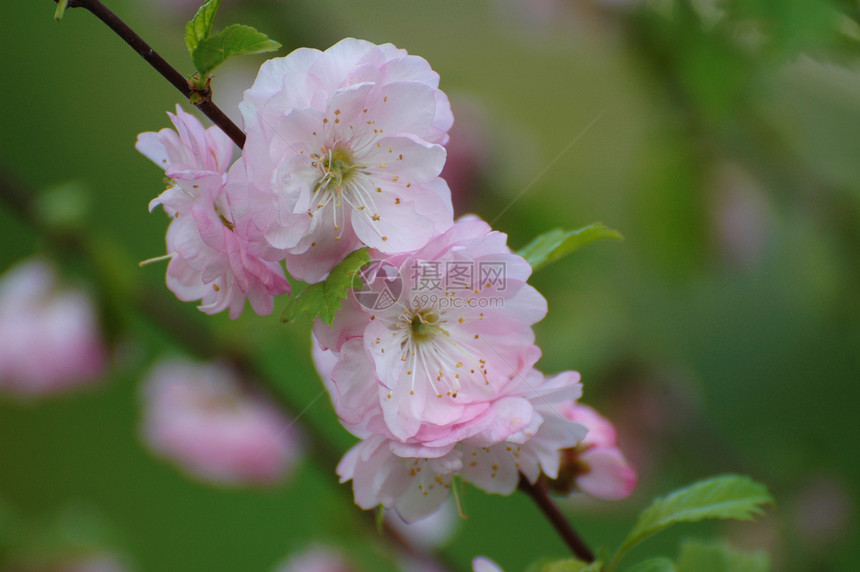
x=718 y=557
x=323 y=299
x=654 y=565
x=200 y=26
x=726 y=496
x=233 y=40
x=564 y=565
x=552 y=245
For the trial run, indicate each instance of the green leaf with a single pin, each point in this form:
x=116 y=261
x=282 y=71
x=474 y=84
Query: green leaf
x=323 y=298
x=566 y=565
x=654 y=565
x=719 y=557
x=200 y=26
x=727 y=496
x=552 y=245
x=233 y=40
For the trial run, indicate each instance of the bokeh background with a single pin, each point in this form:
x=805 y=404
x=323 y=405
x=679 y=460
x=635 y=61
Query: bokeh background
x=723 y=334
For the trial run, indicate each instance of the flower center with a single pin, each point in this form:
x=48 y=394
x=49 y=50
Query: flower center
x=433 y=356
x=342 y=183
x=337 y=167
x=424 y=326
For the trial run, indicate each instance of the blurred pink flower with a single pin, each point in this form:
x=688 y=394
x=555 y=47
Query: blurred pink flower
x=469 y=152
x=823 y=511
x=204 y=420
x=741 y=217
x=316 y=559
x=96 y=564
x=345 y=149
x=217 y=255
x=596 y=465
x=99 y=563
x=483 y=564
x=49 y=336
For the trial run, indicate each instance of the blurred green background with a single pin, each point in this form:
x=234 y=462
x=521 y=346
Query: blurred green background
x=723 y=335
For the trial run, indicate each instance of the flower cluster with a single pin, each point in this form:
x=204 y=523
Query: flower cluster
x=432 y=362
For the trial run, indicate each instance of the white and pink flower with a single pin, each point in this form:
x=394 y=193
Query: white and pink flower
x=434 y=359
x=217 y=255
x=204 y=420
x=49 y=335
x=415 y=480
x=345 y=149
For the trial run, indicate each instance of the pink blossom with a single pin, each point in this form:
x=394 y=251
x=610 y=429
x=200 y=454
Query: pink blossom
x=344 y=147
x=49 y=336
x=536 y=449
x=414 y=487
x=204 y=420
x=597 y=465
x=446 y=349
x=415 y=480
x=217 y=255
x=316 y=559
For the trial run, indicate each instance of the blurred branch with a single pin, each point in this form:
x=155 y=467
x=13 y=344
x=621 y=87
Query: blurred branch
x=200 y=99
x=538 y=494
x=156 y=306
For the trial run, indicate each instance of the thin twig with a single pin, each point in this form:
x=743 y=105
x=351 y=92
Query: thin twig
x=176 y=79
x=538 y=494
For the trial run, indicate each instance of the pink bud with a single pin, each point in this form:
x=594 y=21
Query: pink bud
x=596 y=466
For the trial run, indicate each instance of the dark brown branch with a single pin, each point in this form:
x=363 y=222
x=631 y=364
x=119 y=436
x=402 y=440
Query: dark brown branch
x=538 y=494
x=199 y=98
